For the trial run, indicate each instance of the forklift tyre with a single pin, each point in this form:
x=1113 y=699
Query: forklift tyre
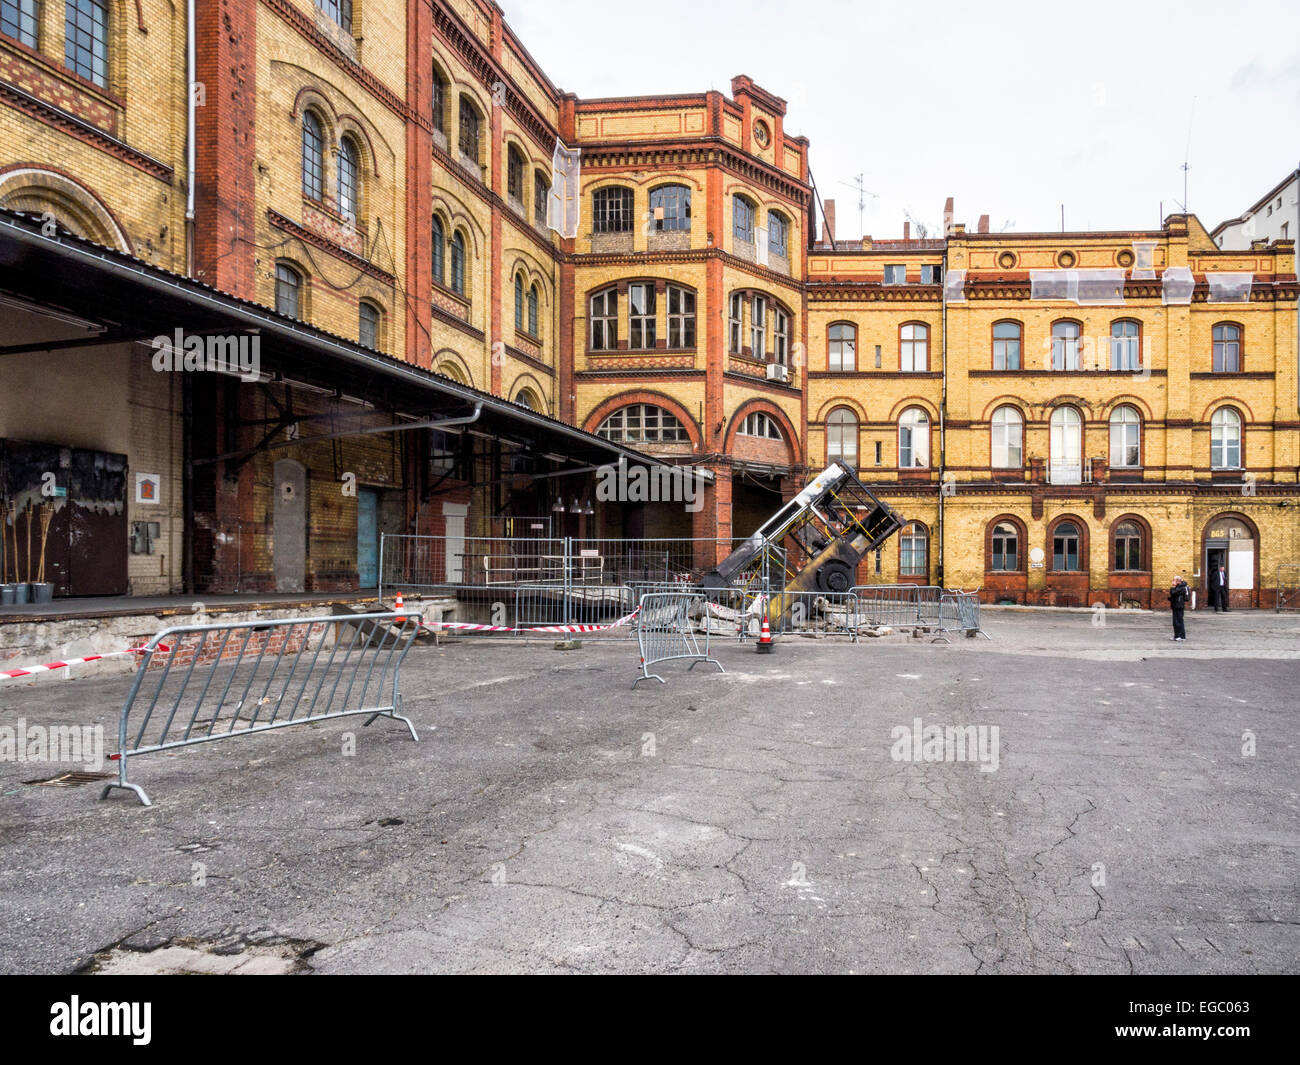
x=834 y=576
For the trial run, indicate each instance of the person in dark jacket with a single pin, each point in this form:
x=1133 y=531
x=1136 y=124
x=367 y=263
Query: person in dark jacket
x=1178 y=593
x=1219 y=589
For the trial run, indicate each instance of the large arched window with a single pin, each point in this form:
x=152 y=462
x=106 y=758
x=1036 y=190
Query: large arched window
x=1125 y=437
x=313 y=157
x=1005 y=548
x=604 y=320
x=440 y=85
x=742 y=218
x=611 y=210
x=914 y=348
x=1008 y=439
x=532 y=311
x=913 y=542
x=527 y=399
x=1066 y=455
x=439 y=250
x=515 y=174
x=913 y=439
x=1066 y=539
x=458 y=263
x=1065 y=345
x=842 y=437
x=541 y=197
x=349 y=179
x=1127 y=539
x=1006 y=345
x=470 y=124
x=643 y=423
x=670 y=208
x=1227 y=348
x=842 y=347
x=288 y=290
x=519 y=302
x=757 y=423
x=1125 y=346
x=368 y=318
x=1225 y=439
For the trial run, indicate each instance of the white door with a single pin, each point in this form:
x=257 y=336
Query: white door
x=454 y=516
x=1067 y=447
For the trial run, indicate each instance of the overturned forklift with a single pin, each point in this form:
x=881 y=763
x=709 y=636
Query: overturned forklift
x=813 y=544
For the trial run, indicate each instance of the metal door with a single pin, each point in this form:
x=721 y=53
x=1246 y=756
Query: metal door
x=367 y=538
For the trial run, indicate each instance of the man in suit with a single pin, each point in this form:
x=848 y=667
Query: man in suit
x=1219 y=588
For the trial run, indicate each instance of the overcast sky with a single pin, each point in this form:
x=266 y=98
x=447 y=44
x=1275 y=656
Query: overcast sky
x=1012 y=110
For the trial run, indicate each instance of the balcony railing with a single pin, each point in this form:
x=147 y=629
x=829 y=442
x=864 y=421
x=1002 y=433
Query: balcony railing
x=1069 y=472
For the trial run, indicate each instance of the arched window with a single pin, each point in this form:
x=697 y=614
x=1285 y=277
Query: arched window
x=913 y=542
x=913 y=348
x=288 y=290
x=742 y=218
x=670 y=208
x=458 y=263
x=681 y=317
x=641 y=305
x=1125 y=350
x=1066 y=456
x=842 y=437
x=527 y=399
x=313 y=157
x=778 y=234
x=643 y=423
x=913 y=439
x=1006 y=345
x=1225 y=439
x=1065 y=547
x=440 y=85
x=532 y=311
x=1128 y=546
x=541 y=196
x=757 y=423
x=439 y=250
x=604 y=320
x=469 y=129
x=735 y=330
x=1227 y=348
x=611 y=210
x=519 y=302
x=842 y=340
x=1125 y=437
x=20 y=20
x=515 y=173
x=368 y=325
x=85 y=40
x=1005 y=548
x=1065 y=346
x=1008 y=439
x=349 y=179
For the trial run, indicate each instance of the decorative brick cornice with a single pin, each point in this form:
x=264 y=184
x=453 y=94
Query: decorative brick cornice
x=291 y=227
x=531 y=360
x=16 y=98
x=707 y=151
x=448 y=318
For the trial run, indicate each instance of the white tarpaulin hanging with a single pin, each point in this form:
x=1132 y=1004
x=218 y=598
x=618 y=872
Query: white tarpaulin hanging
x=1144 y=260
x=1054 y=285
x=954 y=286
x=1100 y=286
x=564 y=206
x=760 y=245
x=1230 y=287
x=1178 y=285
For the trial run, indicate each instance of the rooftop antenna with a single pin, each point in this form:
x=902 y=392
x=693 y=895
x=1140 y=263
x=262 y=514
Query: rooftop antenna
x=1187 y=155
x=859 y=183
x=1007 y=225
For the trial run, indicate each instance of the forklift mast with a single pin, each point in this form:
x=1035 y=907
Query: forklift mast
x=815 y=541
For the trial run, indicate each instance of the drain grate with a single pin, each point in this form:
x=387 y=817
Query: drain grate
x=70 y=780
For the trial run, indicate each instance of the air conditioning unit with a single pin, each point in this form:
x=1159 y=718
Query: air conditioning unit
x=777 y=372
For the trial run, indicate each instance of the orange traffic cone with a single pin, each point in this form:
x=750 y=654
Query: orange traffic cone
x=400 y=616
x=764 y=645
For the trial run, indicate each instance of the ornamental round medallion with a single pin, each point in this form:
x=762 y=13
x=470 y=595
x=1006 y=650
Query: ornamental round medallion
x=762 y=134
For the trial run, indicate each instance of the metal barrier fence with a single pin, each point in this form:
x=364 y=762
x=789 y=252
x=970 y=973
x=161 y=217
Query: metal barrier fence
x=1288 y=587
x=199 y=683
x=908 y=606
x=958 y=612
x=665 y=630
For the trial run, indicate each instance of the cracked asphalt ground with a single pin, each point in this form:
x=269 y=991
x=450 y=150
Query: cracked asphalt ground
x=553 y=819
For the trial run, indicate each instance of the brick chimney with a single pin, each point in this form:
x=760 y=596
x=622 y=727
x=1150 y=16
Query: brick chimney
x=947 y=214
x=828 y=224
x=983 y=226
x=907 y=230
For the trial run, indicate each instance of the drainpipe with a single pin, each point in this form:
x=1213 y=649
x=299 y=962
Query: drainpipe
x=190 y=122
x=943 y=413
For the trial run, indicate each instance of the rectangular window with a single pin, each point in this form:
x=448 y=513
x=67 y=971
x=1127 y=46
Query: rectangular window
x=515 y=176
x=611 y=210
x=877 y=356
x=777 y=235
x=1006 y=346
x=641 y=316
x=468 y=130
x=842 y=353
x=18 y=20
x=742 y=219
x=85 y=46
x=880 y=458
x=439 y=104
x=604 y=321
x=758 y=328
x=931 y=274
x=911 y=557
x=781 y=335
x=339 y=10
x=541 y=197
x=681 y=318
x=734 y=323
x=895 y=274
x=670 y=208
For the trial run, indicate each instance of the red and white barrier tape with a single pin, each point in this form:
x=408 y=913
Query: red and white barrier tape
x=471 y=627
x=30 y=671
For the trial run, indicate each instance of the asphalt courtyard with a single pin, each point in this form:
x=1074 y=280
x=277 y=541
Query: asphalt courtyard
x=1136 y=810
